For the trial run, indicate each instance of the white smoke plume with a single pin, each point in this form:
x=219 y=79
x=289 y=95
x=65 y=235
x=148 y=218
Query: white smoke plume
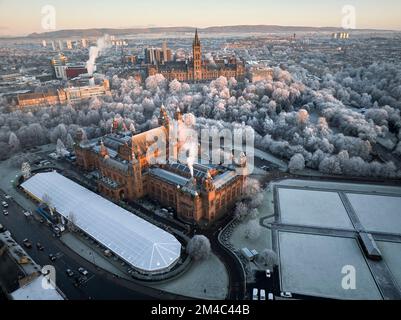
x=95 y=51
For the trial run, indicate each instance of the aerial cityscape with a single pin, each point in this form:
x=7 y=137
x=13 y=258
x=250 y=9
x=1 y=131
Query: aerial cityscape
x=155 y=157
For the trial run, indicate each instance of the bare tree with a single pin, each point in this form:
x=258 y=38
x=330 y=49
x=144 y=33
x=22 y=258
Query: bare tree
x=72 y=222
x=47 y=200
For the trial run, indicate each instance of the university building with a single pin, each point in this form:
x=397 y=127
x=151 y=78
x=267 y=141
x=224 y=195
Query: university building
x=125 y=167
x=197 y=69
x=63 y=96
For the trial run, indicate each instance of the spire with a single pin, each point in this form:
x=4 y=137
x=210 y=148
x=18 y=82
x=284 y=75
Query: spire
x=178 y=115
x=196 y=40
x=163 y=117
x=103 y=150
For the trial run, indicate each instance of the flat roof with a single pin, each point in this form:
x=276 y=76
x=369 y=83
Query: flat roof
x=136 y=241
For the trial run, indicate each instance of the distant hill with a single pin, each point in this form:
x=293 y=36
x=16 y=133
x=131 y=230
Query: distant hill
x=153 y=30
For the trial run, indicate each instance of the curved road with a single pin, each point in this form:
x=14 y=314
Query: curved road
x=100 y=284
x=237 y=287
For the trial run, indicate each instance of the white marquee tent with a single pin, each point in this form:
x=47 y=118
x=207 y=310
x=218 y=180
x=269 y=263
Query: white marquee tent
x=136 y=241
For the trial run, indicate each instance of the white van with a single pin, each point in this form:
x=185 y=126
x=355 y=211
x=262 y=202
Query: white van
x=255 y=295
x=262 y=294
x=270 y=296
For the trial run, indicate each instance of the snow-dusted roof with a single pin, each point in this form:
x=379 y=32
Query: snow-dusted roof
x=138 y=242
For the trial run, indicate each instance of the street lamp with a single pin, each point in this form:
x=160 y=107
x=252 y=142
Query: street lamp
x=93 y=257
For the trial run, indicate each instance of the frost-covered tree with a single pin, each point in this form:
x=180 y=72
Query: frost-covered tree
x=268 y=258
x=297 y=163
x=26 y=170
x=252 y=230
x=60 y=148
x=199 y=248
x=241 y=211
x=251 y=188
x=14 y=142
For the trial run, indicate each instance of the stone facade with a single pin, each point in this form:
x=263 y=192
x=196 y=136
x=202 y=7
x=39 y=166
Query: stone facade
x=126 y=170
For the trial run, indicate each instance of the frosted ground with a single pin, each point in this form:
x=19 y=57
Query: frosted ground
x=391 y=252
x=264 y=241
x=312 y=264
x=313 y=208
x=377 y=213
x=209 y=275
x=343 y=186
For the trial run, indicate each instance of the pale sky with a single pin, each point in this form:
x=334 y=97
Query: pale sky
x=19 y=17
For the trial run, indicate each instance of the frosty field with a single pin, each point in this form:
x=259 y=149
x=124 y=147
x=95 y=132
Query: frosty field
x=312 y=264
x=313 y=208
x=377 y=213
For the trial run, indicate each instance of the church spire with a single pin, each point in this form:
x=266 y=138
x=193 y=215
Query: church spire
x=196 y=40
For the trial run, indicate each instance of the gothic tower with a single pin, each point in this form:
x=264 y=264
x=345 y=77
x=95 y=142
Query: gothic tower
x=197 y=53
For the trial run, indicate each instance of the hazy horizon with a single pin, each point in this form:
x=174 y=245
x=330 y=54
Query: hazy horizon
x=23 y=17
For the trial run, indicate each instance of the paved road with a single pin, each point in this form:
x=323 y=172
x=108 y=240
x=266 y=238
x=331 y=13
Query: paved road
x=100 y=284
x=235 y=274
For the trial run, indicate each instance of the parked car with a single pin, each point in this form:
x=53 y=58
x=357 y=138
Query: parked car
x=52 y=257
x=83 y=271
x=27 y=243
x=7 y=196
x=262 y=294
x=69 y=272
x=270 y=296
x=4 y=204
x=286 y=294
x=255 y=294
x=39 y=246
x=5 y=212
x=2 y=229
x=27 y=214
x=268 y=273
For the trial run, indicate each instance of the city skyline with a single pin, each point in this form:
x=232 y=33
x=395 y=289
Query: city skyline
x=130 y=14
